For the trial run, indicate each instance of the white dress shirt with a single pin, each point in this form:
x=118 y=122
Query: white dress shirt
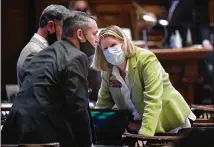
x=43 y=40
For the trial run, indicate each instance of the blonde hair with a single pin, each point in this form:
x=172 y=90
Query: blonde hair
x=99 y=62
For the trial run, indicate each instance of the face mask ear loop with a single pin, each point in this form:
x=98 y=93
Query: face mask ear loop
x=55 y=27
x=84 y=34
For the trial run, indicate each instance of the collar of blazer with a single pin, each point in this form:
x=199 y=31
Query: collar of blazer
x=68 y=42
x=37 y=41
x=132 y=65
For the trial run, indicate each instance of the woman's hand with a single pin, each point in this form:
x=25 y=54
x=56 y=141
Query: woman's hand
x=134 y=127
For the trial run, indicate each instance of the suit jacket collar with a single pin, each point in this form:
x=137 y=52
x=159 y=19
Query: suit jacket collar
x=39 y=42
x=133 y=63
x=67 y=42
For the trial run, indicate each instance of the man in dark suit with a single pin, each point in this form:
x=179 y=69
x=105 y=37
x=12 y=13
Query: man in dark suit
x=184 y=14
x=193 y=14
x=53 y=100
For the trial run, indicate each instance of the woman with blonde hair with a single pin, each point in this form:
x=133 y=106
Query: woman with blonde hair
x=133 y=79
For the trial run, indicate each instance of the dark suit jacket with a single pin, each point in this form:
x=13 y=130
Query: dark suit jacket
x=53 y=100
x=188 y=12
x=191 y=14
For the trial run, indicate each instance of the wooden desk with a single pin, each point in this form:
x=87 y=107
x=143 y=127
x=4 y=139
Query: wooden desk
x=6 y=106
x=130 y=139
x=182 y=66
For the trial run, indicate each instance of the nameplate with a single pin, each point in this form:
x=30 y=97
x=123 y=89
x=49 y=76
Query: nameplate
x=115 y=83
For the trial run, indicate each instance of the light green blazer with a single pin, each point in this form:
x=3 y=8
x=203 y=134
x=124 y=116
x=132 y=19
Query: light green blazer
x=161 y=106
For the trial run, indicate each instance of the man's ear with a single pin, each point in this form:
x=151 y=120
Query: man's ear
x=51 y=27
x=80 y=35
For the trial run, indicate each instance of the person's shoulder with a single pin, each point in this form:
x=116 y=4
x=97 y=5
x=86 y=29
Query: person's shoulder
x=35 y=45
x=68 y=52
x=65 y=47
x=31 y=47
x=79 y=56
x=144 y=54
x=144 y=57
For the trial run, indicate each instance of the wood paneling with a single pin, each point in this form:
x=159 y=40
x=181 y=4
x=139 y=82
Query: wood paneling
x=111 y=12
x=14 y=37
x=211 y=12
x=183 y=68
x=122 y=13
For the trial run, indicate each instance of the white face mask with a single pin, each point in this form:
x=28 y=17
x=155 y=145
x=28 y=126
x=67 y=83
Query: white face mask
x=115 y=55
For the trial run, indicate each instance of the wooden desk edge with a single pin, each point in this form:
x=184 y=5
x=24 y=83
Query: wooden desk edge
x=178 y=54
x=33 y=145
x=159 y=138
x=184 y=50
x=204 y=107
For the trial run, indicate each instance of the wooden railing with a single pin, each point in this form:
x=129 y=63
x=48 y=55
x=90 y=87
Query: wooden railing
x=31 y=145
x=131 y=139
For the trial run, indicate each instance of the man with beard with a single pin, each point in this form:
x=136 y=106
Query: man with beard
x=50 y=30
x=52 y=103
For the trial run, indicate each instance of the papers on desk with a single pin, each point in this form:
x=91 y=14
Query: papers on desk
x=193 y=47
x=138 y=42
x=149 y=44
x=6 y=105
x=197 y=46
